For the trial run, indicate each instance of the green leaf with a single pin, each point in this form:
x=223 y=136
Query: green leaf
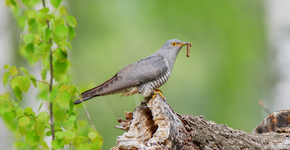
x=84 y=146
x=40 y=107
x=22 y=82
x=92 y=135
x=33 y=80
x=62 y=99
x=41 y=18
x=62 y=10
x=48 y=133
x=24 y=70
x=6 y=66
x=51 y=16
x=60 y=116
x=21 y=21
x=60 y=55
x=45 y=47
x=44 y=144
x=68 y=45
x=71 y=20
x=72 y=90
x=43 y=117
x=96 y=145
x=44 y=10
x=43 y=73
x=8 y=117
x=55 y=3
x=59 y=70
x=60 y=67
x=59 y=134
x=32 y=25
x=24 y=121
x=20 y=144
x=37 y=37
x=69 y=136
x=68 y=125
x=47 y=34
x=71 y=33
x=95 y=137
x=69 y=88
x=13 y=71
x=39 y=128
x=28 y=111
x=78 y=140
x=25 y=2
x=58 y=39
x=13 y=3
x=53 y=94
x=57 y=144
x=31 y=138
x=5 y=78
x=32 y=14
x=72 y=118
x=19 y=111
x=21 y=130
x=29 y=48
x=28 y=38
x=61 y=30
x=17 y=93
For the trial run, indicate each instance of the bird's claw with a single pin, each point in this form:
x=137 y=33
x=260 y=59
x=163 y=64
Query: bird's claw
x=159 y=92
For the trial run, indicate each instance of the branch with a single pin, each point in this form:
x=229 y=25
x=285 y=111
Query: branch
x=50 y=84
x=87 y=112
x=40 y=81
x=154 y=125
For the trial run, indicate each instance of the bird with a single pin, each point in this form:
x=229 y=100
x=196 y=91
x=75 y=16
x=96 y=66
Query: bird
x=143 y=77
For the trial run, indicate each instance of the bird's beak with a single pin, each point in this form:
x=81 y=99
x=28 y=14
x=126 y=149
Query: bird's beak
x=184 y=43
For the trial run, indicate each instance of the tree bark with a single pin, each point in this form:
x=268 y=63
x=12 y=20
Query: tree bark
x=154 y=125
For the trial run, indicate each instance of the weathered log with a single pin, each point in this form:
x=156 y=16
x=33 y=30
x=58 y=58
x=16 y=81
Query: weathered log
x=154 y=125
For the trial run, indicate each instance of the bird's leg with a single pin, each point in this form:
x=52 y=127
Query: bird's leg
x=159 y=92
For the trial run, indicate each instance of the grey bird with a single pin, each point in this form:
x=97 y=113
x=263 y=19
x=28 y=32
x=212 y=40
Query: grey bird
x=142 y=77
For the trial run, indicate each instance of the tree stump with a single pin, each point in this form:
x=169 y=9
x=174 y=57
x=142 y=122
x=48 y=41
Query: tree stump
x=154 y=125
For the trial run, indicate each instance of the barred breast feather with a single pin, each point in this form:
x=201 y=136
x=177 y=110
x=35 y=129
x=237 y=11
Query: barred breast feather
x=146 y=89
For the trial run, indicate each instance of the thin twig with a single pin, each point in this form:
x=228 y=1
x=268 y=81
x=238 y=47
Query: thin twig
x=50 y=85
x=40 y=81
x=9 y=103
x=33 y=78
x=81 y=99
x=113 y=107
x=261 y=103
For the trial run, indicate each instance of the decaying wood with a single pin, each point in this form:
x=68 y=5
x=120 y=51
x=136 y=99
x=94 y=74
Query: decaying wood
x=154 y=125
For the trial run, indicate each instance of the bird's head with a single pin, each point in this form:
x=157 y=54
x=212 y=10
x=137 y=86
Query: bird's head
x=174 y=44
x=172 y=47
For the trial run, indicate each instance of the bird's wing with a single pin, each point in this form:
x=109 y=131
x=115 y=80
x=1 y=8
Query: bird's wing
x=144 y=70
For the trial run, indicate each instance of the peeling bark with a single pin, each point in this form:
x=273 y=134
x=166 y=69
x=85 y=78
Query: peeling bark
x=154 y=125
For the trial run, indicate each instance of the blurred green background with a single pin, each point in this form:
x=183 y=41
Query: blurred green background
x=227 y=72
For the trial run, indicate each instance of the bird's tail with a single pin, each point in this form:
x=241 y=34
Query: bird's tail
x=84 y=99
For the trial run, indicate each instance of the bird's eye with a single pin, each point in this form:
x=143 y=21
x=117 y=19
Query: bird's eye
x=173 y=43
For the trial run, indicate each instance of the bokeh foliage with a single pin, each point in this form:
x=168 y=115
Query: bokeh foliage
x=222 y=80
x=46 y=40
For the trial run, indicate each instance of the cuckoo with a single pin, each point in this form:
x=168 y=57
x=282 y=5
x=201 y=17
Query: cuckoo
x=143 y=77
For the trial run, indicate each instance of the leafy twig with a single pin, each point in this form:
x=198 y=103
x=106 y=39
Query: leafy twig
x=50 y=85
x=40 y=81
x=86 y=111
x=34 y=79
